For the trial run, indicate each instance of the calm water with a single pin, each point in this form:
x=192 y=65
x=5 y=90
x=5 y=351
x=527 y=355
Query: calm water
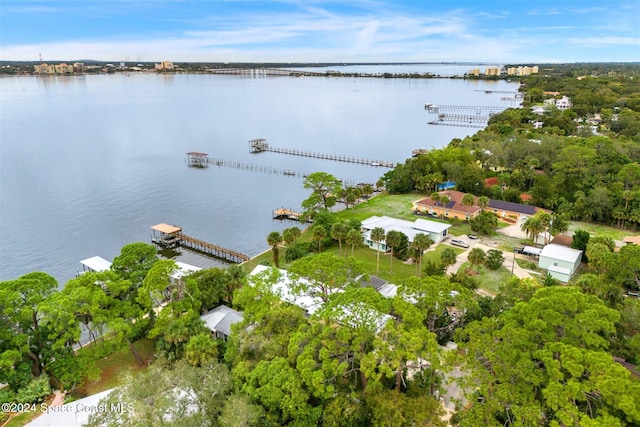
x=89 y=163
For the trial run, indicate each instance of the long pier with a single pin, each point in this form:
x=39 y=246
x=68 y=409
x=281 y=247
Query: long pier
x=204 y=161
x=457 y=124
x=171 y=236
x=264 y=72
x=260 y=145
x=478 y=110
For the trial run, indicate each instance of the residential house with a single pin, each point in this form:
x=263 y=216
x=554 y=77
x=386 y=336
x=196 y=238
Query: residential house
x=437 y=231
x=455 y=209
x=452 y=209
x=560 y=261
x=220 y=319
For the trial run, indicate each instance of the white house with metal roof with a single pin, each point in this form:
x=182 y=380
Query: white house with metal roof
x=437 y=231
x=560 y=261
x=220 y=319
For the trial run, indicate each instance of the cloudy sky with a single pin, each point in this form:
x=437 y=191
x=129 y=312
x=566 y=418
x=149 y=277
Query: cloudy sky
x=321 y=30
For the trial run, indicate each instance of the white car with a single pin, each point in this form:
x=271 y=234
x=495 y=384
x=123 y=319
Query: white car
x=458 y=242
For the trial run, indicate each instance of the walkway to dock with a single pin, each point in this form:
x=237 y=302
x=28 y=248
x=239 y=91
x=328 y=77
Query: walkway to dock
x=260 y=145
x=171 y=236
x=461 y=109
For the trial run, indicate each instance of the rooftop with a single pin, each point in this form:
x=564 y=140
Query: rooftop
x=96 y=263
x=221 y=318
x=561 y=253
x=166 y=228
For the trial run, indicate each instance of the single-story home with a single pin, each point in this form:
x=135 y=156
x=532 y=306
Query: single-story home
x=220 y=319
x=560 y=261
x=455 y=209
x=631 y=240
x=452 y=209
x=437 y=231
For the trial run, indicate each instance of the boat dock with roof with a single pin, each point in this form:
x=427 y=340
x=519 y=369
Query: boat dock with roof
x=171 y=236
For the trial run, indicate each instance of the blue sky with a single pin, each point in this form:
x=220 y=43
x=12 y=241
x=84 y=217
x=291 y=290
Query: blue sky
x=321 y=30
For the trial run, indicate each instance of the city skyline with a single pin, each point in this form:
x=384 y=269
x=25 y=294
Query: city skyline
x=319 y=31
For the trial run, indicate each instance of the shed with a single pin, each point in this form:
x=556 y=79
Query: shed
x=561 y=262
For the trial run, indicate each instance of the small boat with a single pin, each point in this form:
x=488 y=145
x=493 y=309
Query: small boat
x=288 y=172
x=376 y=164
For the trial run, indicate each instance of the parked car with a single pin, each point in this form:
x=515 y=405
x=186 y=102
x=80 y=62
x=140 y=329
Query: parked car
x=518 y=250
x=458 y=242
x=472 y=236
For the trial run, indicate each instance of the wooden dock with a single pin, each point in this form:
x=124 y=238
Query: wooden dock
x=287 y=214
x=197 y=160
x=171 y=236
x=260 y=146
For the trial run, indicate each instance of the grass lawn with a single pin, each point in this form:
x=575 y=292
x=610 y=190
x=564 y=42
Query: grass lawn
x=435 y=254
x=527 y=265
x=601 y=230
x=490 y=280
x=367 y=257
x=114 y=365
x=394 y=205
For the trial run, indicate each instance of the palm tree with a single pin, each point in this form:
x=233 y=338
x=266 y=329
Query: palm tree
x=273 y=239
x=421 y=242
x=476 y=256
x=378 y=235
x=353 y=238
x=289 y=235
x=393 y=239
x=448 y=257
x=483 y=202
x=339 y=231
x=468 y=200
x=532 y=226
x=319 y=232
x=545 y=222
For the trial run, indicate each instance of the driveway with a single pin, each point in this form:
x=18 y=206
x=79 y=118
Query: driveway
x=508 y=263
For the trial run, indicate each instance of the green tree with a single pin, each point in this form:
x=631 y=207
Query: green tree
x=339 y=232
x=378 y=235
x=448 y=257
x=201 y=349
x=290 y=235
x=552 y=369
x=483 y=202
x=580 y=240
x=24 y=327
x=167 y=394
x=324 y=188
x=134 y=261
x=421 y=242
x=278 y=388
x=238 y=411
x=494 y=260
x=318 y=232
x=321 y=275
x=468 y=199
x=476 y=257
x=532 y=227
x=393 y=240
x=484 y=223
x=273 y=239
x=353 y=238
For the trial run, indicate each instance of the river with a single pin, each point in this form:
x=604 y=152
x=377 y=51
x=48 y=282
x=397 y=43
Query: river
x=88 y=163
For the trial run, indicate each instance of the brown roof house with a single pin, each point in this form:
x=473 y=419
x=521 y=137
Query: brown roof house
x=452 y=209
x=455 y=209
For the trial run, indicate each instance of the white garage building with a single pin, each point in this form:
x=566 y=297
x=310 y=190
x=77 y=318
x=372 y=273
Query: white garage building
x=560 y=261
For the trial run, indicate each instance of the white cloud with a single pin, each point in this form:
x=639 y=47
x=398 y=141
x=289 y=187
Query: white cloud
x=605 y=41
